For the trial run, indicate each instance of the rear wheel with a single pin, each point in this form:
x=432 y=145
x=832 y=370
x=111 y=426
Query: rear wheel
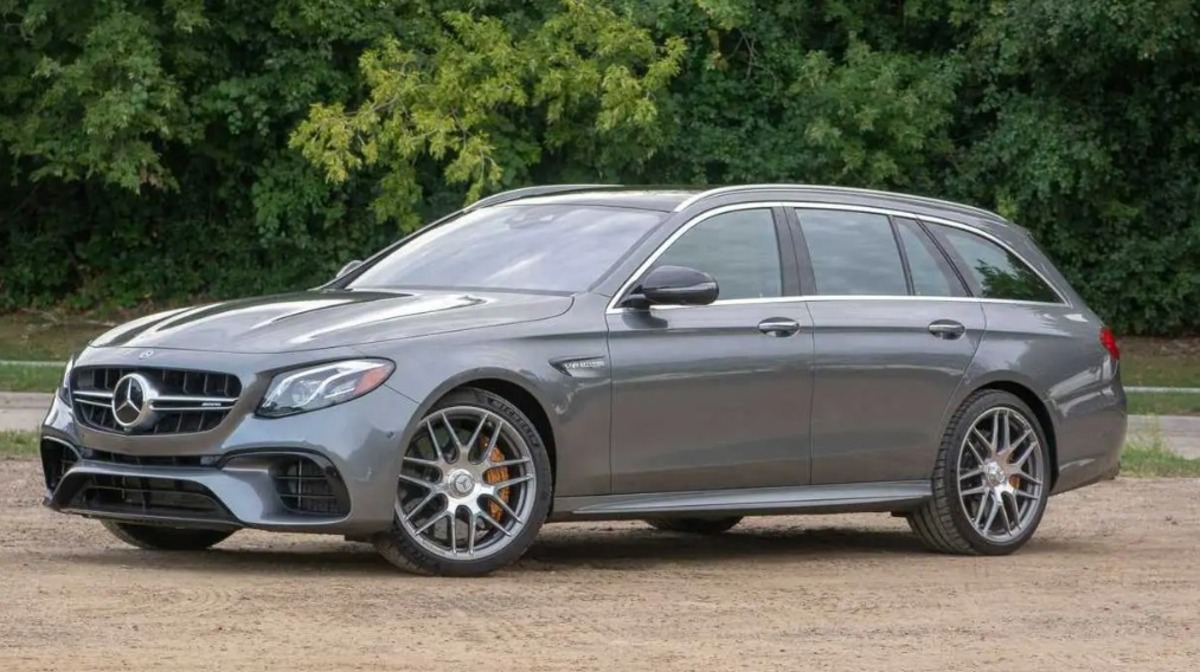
x=695 y=525
x=474 y=489
x=155 y=538
x=991 y=480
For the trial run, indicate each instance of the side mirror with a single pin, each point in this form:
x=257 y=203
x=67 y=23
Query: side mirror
x=679 y=286
x=350 y=266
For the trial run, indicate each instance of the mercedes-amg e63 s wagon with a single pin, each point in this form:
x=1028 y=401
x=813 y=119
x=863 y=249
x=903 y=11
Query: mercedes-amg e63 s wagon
x=585 y=352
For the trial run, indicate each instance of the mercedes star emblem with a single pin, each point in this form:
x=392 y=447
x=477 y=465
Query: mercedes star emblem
x=131 y=401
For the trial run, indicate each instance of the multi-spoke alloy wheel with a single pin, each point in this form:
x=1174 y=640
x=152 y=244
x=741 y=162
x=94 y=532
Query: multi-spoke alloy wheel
x=473 y=488
x=1000 y=474
x=991 y=480
x=465 y=488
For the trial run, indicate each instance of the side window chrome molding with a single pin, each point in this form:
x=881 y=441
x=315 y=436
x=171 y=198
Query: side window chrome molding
x=809 y=298
x=644 y=266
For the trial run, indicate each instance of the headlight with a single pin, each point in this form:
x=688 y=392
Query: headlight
x=323 y=385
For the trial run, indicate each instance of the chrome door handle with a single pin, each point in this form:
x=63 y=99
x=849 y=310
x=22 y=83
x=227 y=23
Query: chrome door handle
x=778 y=326
x=948 y=329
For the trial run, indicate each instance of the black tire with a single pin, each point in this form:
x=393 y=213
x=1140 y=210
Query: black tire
x=400 y=549
x=156 y=538
x=942 y=523
x=695 y=525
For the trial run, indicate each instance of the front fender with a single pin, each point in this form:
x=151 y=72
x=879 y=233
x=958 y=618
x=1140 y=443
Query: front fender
x=426 y=397
x=578 y=408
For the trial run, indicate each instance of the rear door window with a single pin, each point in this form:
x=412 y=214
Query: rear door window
x=852 y=253
x=931 y=272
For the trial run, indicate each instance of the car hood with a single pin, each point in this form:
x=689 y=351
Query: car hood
x=319 y=319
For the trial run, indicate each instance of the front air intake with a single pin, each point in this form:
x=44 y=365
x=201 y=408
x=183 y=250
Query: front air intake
x=151 y=497
x=306 y=487
x=57 y=460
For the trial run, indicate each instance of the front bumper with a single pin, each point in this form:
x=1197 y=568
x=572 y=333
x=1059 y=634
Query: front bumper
x=236 y=475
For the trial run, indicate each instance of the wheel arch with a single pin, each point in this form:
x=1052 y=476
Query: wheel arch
x=513 y=388
x=528 y=404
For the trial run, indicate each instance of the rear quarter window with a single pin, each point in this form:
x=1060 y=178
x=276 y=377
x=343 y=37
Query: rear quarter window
x=996 y=272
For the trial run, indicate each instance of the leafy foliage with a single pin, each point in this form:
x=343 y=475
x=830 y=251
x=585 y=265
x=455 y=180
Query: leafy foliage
x=483 y=98
x=169 y=149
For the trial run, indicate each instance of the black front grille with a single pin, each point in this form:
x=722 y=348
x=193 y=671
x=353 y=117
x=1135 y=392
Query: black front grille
x=191 y=401
x=306 y=487
x=169 y=381
x=57 y=459
x=137 y=495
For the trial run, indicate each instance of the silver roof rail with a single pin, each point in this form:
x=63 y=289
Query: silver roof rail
x=844 y=190
x=529 y=192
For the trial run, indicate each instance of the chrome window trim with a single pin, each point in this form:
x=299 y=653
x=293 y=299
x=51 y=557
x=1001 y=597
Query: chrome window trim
x=845 y=297
x=757 y=205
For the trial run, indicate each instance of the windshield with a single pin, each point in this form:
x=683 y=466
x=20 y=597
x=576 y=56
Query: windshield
x=554 y=248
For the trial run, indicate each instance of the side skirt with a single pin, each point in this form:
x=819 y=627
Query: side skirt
x=887 y=496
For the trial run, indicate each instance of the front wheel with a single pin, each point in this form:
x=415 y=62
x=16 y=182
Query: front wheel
x=156 y=538
x=991 y=480
x=474 y=489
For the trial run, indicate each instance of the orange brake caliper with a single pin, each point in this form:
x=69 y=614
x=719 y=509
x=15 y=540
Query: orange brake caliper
x=496 y=475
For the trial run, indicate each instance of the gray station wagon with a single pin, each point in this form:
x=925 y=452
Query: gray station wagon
x=587 y=352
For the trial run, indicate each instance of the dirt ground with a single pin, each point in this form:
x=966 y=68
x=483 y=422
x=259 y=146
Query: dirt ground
x=1111 y=582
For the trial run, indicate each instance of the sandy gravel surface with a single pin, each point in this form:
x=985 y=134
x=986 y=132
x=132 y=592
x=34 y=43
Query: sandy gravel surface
x=1112 y=582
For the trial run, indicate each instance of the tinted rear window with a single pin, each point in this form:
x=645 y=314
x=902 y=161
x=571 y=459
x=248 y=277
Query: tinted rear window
x=930 y=272
x=999 y=273
x=556 y=248
x=853 y=253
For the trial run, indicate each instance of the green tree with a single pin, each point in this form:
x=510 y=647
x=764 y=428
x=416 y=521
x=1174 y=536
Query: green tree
x=1081 y=124
x=169 y=149
x=488 y=98
x=145 y=146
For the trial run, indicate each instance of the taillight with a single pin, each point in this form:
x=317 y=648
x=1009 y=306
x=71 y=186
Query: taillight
x=1109 y=342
